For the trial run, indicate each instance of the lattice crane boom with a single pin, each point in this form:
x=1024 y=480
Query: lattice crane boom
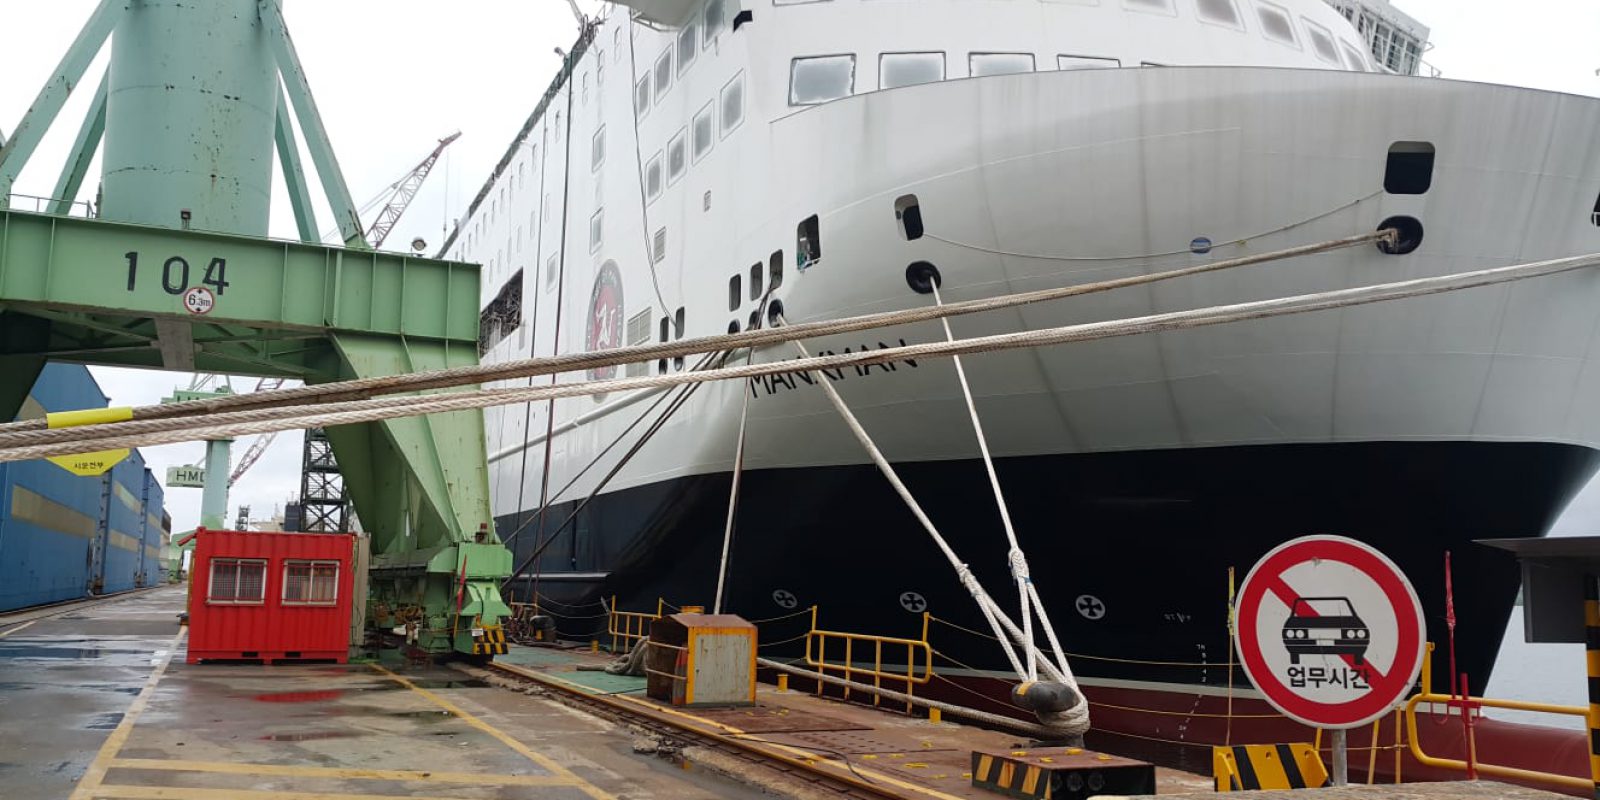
x=262 y=442
x=402 y=192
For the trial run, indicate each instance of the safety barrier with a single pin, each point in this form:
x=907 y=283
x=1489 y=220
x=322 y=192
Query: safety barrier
x=628 y=627
x=1467 y=705
x=918 y=658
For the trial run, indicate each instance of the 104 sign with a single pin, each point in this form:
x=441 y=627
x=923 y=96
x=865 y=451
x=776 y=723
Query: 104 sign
x=177 y=276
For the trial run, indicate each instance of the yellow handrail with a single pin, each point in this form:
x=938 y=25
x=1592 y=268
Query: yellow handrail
x=630 y=626
x=1486 y=768
x=916 y=650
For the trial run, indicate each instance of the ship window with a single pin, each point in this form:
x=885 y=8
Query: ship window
x=909 y=212
x=756 y=274
x=502 y=316
x=583 y=96
x=1275 y=23
x=677 y=333
x=677 y=160
x=1221 y=12
x=597 y=149
x=652 y=177
x=659 y=245
x=1156 y=6
x=1322 y=42
x=688 y=46
x=1595 y=216
x=310 y=583
x=908 y=69
x=596 y=229
x=1410 y=168
x=735 y=291
x=755 y=319
x=661 y=364
x=715 y=19
x=1086 y=62
x=775 y=270
x=641 y=95
x=820 y=79
x=733 y=104
x=808 y=243
x=705 y=132
x=237 y=581
x=663 y=74
x=1352 y=58
x=550 y=270
x=616 y=44
x=982 y=64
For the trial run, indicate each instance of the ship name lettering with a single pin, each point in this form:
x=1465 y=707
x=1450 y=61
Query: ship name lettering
x=767 y=385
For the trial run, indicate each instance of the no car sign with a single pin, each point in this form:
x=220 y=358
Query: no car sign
x=1330 y=631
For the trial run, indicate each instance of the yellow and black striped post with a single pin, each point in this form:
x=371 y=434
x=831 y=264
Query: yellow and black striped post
x=1591 y=622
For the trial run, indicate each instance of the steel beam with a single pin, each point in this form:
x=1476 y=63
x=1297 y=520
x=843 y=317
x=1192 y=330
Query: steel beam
x=69 y=263
x=83 y=147
x=14 y=155
x=294 y=176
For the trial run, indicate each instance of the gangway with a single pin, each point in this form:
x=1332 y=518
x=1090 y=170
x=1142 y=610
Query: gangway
x=176 y=272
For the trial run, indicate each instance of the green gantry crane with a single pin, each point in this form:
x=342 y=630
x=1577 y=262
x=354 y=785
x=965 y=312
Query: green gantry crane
x=176 y=272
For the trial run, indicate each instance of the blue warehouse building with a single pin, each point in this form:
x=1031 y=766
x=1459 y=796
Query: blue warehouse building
x=64 y=536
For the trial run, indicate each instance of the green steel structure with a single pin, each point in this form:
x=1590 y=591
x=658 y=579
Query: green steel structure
x=174 y=271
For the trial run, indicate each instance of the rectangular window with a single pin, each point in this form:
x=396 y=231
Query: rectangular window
x=808 y=243
x=1086 y=62
x=663 y=73
x=735 y=292
x=982 y=64
x=908 y=69
x=652 y=177
x=715 y=20
x=1322 y=42
x=677 y=333
x=1222 y=12
x=820 y=79
x=1410 y=168
x=596 y=229
x=705 y=132
x=775 y=273
x=641 y=95
x=732 y=104
x=756 y=281
x=310 y=583
x=1275 y=23
x=688 y=46
x=597 y=149
x=237 y=581
x=677 y=158
x=550 y=269
x=1352 y=58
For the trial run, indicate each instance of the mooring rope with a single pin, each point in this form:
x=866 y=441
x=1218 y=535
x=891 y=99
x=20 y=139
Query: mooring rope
x=114 y=435
x=363 y=388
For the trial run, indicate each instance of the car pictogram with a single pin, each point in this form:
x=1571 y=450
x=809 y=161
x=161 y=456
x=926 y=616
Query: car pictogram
x=1324 y=625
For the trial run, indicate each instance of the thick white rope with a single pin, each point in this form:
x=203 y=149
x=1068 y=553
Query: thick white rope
x=1019 y=564
x=361 y=388
x=114 y=435
x=733 y=491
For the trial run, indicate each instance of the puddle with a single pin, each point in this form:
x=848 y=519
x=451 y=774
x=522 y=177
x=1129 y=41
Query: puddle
x=431 y=714
x=306 y=736
x=33 y=651
x=105 y=722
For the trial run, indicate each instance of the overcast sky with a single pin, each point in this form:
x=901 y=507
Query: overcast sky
x=393 y=76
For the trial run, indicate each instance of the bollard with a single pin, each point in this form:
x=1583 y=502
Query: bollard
x=783 y=682
x=935 y=716
x=594 y=645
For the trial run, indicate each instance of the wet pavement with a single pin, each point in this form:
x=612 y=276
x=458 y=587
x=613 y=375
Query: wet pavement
x=99 y=704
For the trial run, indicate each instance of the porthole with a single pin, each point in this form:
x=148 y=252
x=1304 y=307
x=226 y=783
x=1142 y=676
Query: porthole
x=922 y=277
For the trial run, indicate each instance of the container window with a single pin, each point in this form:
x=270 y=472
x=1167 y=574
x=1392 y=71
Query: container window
x=982 y=64
x=652 y=177
x=757 y=273
x=310 y=583
x=715 y=19
x=808 y=243
x=908 y=69
x=597 y=149
x=237 y=581
x=1275 y=23
x=1410 y=168
x=705 y=131
x=596 y=229
x=688 y=46
x=663 y=74
x=820 y=79
x=641 y=95
x=733 y=104
x=677 y=158
x=1222 y=12
x=1322 y=42
x=1087 y=62
x=775 y=270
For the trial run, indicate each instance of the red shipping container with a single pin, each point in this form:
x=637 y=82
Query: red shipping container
x=270 y=597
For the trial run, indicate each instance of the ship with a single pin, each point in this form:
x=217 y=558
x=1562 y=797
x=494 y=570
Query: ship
x=706 y=167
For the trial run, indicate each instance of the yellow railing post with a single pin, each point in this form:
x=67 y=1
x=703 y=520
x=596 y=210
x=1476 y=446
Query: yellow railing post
x=613 y=624
x=1492 y=770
